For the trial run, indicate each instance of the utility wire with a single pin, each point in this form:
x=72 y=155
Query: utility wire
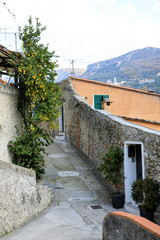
x=11 y=14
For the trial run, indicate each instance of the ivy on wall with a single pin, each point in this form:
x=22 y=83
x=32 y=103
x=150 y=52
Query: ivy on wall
x=39 y=98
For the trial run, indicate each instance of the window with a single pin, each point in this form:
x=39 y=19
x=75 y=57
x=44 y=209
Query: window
x=99 y=99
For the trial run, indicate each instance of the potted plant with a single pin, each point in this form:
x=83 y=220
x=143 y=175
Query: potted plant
x=111 y=168
x=145 y=192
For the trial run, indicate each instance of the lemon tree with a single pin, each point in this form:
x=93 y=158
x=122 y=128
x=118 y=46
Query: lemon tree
x=39 y=97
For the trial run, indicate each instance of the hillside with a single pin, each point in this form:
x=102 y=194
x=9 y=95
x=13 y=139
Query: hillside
x=135 y=65
x=136 y=69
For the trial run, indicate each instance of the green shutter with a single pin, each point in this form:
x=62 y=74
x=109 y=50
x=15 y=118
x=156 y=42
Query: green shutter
x=105 y=96
x=98 y=101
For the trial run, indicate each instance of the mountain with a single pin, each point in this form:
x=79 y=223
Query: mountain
x=136 y=65
x=137 y=69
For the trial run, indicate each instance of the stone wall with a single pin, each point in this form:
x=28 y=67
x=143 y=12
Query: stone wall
x=20 y=197
x=92 y=132
x=9 y=118
x=124 y=226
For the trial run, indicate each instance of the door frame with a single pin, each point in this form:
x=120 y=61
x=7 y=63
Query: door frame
x=126 y=144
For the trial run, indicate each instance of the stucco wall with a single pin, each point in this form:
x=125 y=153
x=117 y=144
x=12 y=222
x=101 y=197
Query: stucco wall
x=155 y=126
x=9 y=118
x=20 y=197
x=124 y=226
x=124 y=101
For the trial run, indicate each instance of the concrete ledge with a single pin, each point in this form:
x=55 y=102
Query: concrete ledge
x=16 y=169
x=122 y=225
x=20 y=198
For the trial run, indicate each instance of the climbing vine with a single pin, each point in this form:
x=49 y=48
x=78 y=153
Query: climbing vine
x=39 y=97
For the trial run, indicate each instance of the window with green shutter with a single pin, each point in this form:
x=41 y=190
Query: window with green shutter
x=98 y=99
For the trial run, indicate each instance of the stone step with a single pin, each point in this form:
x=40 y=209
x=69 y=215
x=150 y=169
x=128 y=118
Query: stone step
x=132 y=208
x=60 y=136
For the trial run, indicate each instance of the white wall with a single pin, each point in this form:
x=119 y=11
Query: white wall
x=9 y=118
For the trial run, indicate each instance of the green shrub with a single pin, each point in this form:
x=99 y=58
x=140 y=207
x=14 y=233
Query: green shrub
x=111 y=167
x=145 y=192
x=28 y=151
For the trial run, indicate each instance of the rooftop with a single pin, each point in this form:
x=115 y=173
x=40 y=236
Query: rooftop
x=6 y=60
x=114 y=86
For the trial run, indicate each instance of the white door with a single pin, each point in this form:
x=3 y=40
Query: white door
x=133 y=167
x=129 y=173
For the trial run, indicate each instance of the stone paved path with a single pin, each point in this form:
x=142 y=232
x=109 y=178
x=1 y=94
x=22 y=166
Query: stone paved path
x=71 y=216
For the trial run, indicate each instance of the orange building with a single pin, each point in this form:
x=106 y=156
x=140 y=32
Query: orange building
x=136 y=106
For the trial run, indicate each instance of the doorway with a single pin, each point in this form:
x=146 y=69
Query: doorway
x=133 y=166
x=61 y=120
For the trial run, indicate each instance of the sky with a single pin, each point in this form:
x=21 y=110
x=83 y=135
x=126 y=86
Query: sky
x=86 y=31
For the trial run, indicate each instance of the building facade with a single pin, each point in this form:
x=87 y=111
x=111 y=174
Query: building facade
x=136 y=106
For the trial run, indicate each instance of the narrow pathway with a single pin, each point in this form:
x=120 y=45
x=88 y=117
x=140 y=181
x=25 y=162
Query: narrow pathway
x=79 y=203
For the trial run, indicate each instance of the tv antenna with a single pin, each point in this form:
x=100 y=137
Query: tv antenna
x=15 y=36
x=14 y=19
x=72 y=61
